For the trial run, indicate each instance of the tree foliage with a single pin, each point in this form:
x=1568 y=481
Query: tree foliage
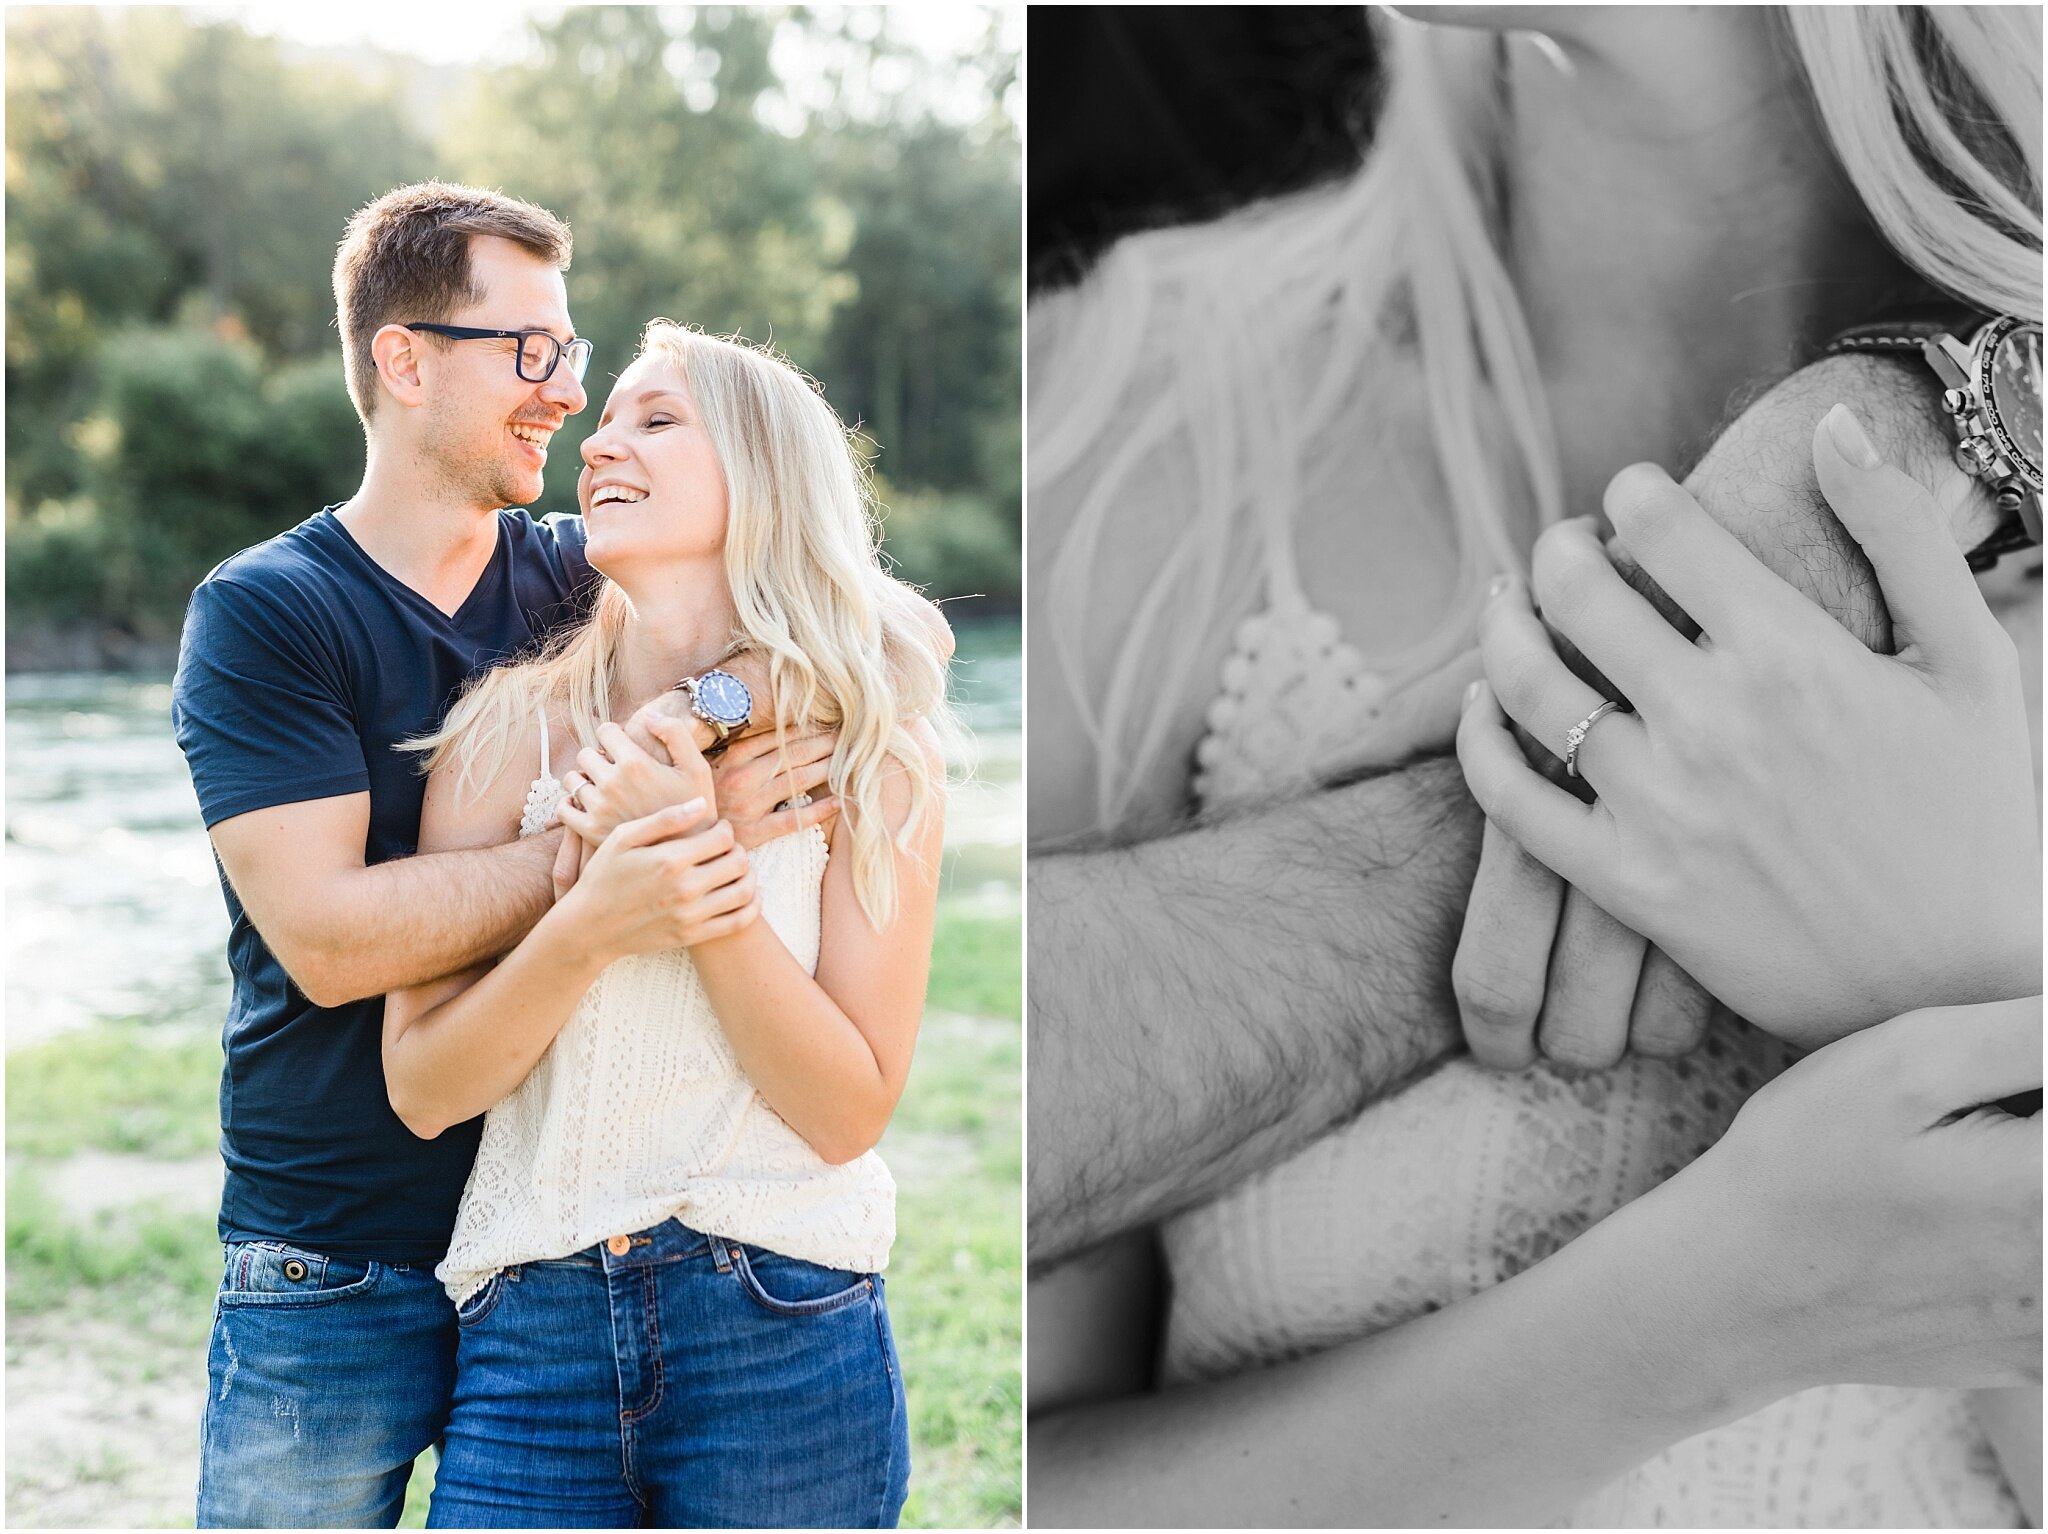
x=175 y=189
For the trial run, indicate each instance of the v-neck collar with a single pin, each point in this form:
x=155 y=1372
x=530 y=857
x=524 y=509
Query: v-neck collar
x=454 y=620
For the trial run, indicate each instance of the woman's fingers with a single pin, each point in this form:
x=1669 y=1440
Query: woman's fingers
x=1498 y=975
x=1584 y=598
x=1558 y=830
x=1933 y=598
x=671 y=820
x=596 y=766
x=1544 y=696
x=1591 y=989
x=678 y=737
x=1671 y=1010
x=1702 y=566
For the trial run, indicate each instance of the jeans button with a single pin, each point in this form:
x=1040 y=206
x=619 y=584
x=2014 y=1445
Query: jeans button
x=618 y=1246
x=294 y=1269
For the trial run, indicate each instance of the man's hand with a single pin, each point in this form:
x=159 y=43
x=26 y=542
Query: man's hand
x=756 y=774
x=1541 y=965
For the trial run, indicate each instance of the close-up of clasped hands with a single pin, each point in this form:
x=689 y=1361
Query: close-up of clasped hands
x=1535 y=879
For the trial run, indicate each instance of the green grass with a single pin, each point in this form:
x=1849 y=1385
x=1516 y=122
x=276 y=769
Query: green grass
x=955 y=1279
x=976 y=963
x=142 y=1262
x=118 y=1088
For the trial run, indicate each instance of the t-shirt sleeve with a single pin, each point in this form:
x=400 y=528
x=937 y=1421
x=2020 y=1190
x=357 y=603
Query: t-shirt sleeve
x=261 y=708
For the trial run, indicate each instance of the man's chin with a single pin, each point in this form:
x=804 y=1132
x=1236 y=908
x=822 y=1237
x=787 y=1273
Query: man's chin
x=519 y=490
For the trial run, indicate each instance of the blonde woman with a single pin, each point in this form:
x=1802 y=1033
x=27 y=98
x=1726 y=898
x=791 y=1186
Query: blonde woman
x=1299 y=447
x=665 y=1263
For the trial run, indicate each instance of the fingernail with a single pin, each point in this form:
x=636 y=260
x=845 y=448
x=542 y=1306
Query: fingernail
x=1497 y=585
x=693 y=806
x=1471 y=693
x=1846 y=432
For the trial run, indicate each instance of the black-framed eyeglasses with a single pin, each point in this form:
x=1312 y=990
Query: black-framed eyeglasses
x=538 y=355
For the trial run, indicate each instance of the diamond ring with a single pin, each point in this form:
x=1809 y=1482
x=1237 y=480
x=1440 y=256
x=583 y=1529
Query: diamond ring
x=1576 y=735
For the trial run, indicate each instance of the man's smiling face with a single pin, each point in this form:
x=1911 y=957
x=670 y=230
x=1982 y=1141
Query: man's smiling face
x=486 y=428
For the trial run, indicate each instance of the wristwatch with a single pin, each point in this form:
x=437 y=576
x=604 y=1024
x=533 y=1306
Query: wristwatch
x=1991 y=388
x=720 y=699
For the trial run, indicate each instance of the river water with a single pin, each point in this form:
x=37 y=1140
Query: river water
x=114 y=909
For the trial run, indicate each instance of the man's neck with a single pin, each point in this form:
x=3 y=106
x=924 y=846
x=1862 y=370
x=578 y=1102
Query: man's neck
x=419 y=531
x=1678 y=229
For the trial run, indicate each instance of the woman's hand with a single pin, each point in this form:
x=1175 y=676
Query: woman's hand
x=618 y=780
x=666 y=881
x=1870 y=1216
x=1822 y=836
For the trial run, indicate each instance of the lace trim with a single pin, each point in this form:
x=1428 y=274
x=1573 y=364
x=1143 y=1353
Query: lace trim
x=1289 y=685
x=544 y=798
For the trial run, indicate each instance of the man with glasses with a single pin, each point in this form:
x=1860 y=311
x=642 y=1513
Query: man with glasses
x=305 y=661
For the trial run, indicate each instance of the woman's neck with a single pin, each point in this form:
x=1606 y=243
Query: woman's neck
x=1677 y=227
x=679 y=626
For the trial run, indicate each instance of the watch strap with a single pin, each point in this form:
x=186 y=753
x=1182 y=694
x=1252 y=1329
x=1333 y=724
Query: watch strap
x=1910 y=331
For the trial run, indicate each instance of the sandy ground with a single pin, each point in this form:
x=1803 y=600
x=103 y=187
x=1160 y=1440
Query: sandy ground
x=103 y=1419
x=102 y=1424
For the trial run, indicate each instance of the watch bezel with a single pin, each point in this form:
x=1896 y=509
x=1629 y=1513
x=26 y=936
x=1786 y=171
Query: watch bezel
x=1985 y=348
x=704 y=708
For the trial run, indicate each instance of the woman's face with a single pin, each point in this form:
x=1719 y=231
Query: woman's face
x=652 y=489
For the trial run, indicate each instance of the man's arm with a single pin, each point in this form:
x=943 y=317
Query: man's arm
x=1204 y=1004
x=344 y=930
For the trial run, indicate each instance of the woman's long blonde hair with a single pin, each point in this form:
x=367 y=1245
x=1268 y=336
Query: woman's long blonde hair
x=1276 y=317
x=849 y=648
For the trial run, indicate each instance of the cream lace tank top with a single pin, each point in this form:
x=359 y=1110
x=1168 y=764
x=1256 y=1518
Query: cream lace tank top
x=639 y=1112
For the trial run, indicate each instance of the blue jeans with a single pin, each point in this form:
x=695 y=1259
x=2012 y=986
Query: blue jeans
x=684 y=1382
x=326 y=1379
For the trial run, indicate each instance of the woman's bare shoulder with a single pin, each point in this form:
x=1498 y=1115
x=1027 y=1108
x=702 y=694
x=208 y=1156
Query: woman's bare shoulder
x=463 y=808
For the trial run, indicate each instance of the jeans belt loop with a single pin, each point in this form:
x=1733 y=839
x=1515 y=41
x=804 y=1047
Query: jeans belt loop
x=721 y=1254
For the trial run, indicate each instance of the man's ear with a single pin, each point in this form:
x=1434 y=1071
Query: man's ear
x=396 y=352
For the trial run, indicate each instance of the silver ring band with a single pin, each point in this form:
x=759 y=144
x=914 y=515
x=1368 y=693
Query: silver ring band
x=1575 y=737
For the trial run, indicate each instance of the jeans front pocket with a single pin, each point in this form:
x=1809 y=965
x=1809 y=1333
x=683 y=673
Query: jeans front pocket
x=483 y=1302
x=789 y=1286
x=273 y=1275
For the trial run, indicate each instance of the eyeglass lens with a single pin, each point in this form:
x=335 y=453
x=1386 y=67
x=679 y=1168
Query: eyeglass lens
x=538 y=352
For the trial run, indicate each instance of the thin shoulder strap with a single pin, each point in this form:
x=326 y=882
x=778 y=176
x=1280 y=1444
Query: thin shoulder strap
x=545 y=770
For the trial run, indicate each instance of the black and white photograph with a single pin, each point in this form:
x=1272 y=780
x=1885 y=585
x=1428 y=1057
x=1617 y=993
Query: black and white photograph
x=1533 y=770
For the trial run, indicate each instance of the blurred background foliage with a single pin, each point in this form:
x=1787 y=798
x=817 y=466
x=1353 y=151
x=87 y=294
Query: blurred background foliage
x=176 y=187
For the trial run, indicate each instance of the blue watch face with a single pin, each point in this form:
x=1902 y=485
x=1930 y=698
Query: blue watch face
x=724 y=697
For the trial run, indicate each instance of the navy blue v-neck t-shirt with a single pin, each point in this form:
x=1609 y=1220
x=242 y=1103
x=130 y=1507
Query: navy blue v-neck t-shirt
x=303 y=664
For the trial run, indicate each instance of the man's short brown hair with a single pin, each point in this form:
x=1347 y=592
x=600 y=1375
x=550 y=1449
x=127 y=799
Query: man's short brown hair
x=405 y=258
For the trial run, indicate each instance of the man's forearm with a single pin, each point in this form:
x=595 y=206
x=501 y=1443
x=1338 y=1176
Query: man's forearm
x=411 y=920
x=1205 y=1004
x=1757 y=480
